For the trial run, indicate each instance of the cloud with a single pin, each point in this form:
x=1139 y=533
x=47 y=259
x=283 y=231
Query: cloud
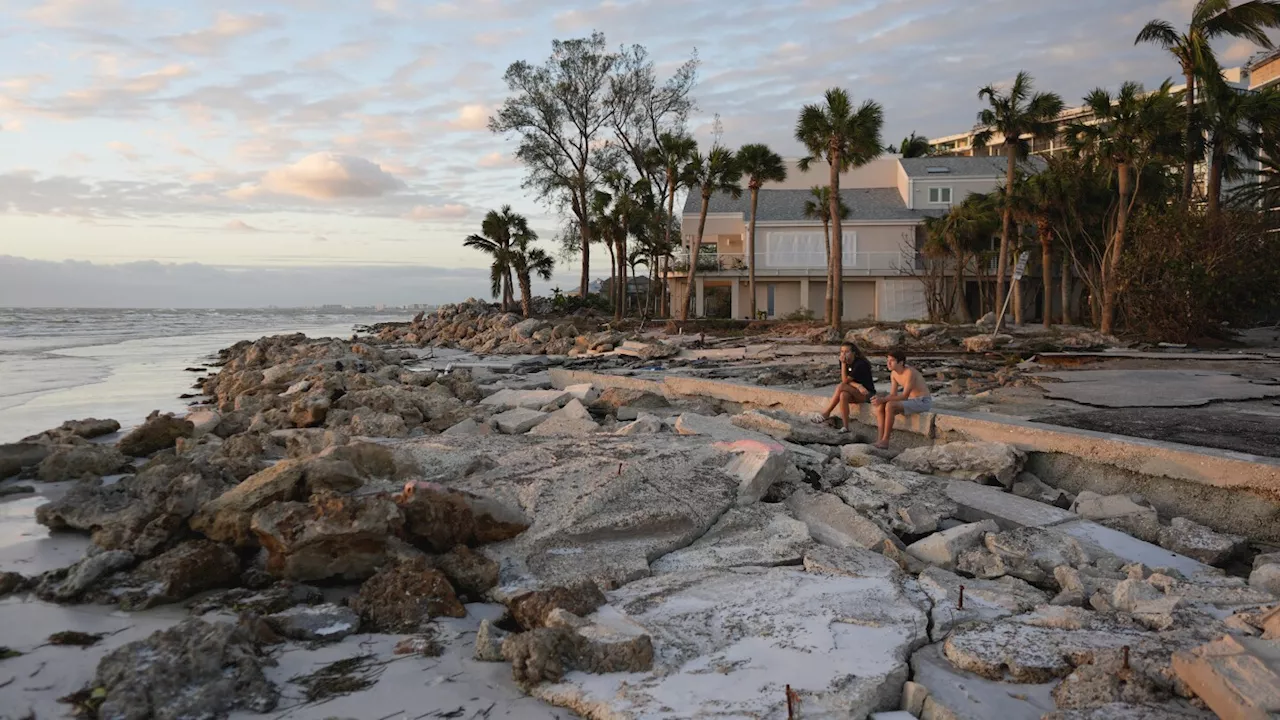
x=240 y=226
x=472 y=117
x=214 y=39
x=497 y=160
x=497 y=38
x=125 y=150
x=68 y=13
x=325 y=176
x=452 y=211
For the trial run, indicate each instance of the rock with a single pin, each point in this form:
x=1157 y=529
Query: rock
x=762 y=535
x=981 y=502
x=371 y=423
x=831 y=522
x=861 y=455
x=519 y=420
x=1033 y=554
x=270 y=600
x=1199 y=542
x=953 y=694
x=12 y=582
x=647 y=351
x=783 y=426
x=310 y=410
x=1119 y=512
x=1031 y=487
x=404 y=595
x=984 y=600
x=645 y=424
x=531 y=610
x=468 y=427
x=978 y=461
x=585 y=393
x=16 y=456
x=70 y=583
x=1027 y=653
x=156 y=433
x=204 y=421
x=943 y=548
x=572 y=420
x=179 y=573
x=227 y=518
x=988 y=320
x=489 y=641
x=89 y=427
x=727 y=642
x=194 y=669
x=332 y=537
x=986 y=343
x=1266 y=578
x=1237 y=677
x=324 y=623
x=438 y=519
x=528 y=399
x=613 y=398
x=874 y=338
x=850 y=562
x=757 y=466
x=470 y=573
x=75 y=462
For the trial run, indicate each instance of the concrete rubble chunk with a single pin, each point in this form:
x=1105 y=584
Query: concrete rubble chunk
x=757 y=466
x=1106 y=540
x=727 y=642
x=791 y=428
x=585 y=393
x=942 y=548
x=489 y=642
x=1119 y=512
x=507 y=399
x=832 y=522
x=1024 y=653
x=1237 y=677
x=861 y=455
x=1031 y=487
x=645 y=424
x=763 y=535
x=1034 y=554
x=984 y=600
x=468 y=427
x=955 y=693
x=572 y=420
x=850 y=562
x=1266 y=578
x=1196 y=541
x=977 y=461
x=519 y=420
x=981 y=502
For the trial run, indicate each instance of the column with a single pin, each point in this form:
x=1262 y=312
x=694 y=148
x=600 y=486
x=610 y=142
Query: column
x=804 y=295
x=700 y=297
x=735 y=305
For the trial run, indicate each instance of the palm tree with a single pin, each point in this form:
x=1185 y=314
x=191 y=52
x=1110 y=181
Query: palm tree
x=527 y=260
x=498 y=230
x=845 y=138
x=1210 y=19
x=760 y=165
x=1238 y=124
x=1020 y=116
x=715 y=172
x=628 y=199
x=1128 y=131
x=912 y=147
x=819 y=208
x=1042 y=201
x=966 y=230
x=671 y=152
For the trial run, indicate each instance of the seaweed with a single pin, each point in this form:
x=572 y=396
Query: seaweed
x=75 y=638
x=341 y=677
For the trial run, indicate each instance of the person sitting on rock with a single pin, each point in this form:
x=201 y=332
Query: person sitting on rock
x=856 y=384
x=908 y=395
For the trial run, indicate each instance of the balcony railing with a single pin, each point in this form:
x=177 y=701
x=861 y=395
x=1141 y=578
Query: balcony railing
x=795 y=262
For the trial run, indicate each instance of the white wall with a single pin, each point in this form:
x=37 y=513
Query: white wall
x=901 y=299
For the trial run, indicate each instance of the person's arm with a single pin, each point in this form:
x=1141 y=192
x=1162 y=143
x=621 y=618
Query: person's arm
x=894 y=387
x=844 y=372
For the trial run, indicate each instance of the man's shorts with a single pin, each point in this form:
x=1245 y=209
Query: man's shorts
x=915 y=406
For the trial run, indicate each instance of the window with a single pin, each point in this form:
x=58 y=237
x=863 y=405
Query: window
x=770 y=299
x=940 y=195
x=805 y=249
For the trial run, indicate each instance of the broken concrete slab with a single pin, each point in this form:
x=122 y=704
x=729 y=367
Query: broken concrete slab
x=1153 y=388
x=1198 y=542
x=728 y=642
x=645 y=424
x=1119 y=512
x=763 y=535
x=785 y=426
x=1266 y=578
x=518 y=420
x=977 y=461
x=585 y=393
x=982 y=502
x=1238 y=677
x=942 y=548
x=530 y=399
x=832 y=522
x=722 y=429
x=1029 y=486
x=954 y=693
x=572 y=420
x=757 y=466
x=983 y=600
x=1131 y=549
x=849 y=562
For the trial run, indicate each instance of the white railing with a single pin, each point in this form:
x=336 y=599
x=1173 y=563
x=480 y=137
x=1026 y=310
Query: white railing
x=793 y=262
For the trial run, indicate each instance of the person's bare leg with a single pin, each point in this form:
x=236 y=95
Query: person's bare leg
x=835 y=398
x=891 y=410
x=844 y=407
x=879 y=410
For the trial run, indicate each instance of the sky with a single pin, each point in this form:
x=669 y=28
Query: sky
x=342 y=144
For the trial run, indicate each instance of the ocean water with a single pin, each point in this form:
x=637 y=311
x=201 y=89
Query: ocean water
x=62 y=364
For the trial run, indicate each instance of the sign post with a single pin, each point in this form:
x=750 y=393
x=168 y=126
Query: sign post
x=1018 y=271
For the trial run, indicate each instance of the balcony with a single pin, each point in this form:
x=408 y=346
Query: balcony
x=796 y=263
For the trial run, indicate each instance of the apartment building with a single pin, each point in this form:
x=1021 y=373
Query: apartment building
x=888 y=200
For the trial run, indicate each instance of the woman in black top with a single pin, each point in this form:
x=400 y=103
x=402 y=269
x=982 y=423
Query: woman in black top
x=856 y=383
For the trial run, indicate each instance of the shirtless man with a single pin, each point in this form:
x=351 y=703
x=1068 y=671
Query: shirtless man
x=908 y=395
x=856 y=384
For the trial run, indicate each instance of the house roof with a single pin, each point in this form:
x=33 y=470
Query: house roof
x=788 y=205
x=971 y=167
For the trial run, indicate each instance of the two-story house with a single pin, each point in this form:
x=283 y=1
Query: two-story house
x=887 y=199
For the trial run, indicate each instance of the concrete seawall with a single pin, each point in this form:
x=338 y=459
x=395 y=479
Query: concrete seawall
x=1229 y=491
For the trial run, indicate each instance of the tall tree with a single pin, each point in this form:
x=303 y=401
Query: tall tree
x=644 y=108
x=715 y=172
x=1127 y=133
x=1210 y=19
x=527 y=261
x=845 y=138
x=914 y=146
x=1238 y=124
x=560 y=110
x=1042 y=201
x=761 y=165
x=819 y=208
x=1020 y=115
x=498 y=231
x=671 y=152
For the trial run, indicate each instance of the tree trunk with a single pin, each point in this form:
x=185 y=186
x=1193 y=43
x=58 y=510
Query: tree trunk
x=622 y=273
x=1215 y=182
x=826 y=310
x=663 y=299
x=693 y=256
x=526 y=295
x=1002 y=262
x=751 y=254
x=961 y=301
x=613 y=270
x=1065 y=290
x=1111 y=265
x=584 y=229
x=508 y=292
x=1189 y=166
x=1046 y=269
x=837 y=243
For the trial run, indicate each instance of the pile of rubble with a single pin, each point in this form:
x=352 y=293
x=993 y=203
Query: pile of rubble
x=654 y=556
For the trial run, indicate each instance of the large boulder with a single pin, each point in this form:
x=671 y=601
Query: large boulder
x=437 y=519
x=943 y=548
x=346 y=538
x=177 y=574
x=613 y=398
x=157 y=432
x=69 y=583
x=194 y=669
x=1196 y=541
x=533 y=610
x=76 y=462
x=472 y=574
x=977 y=461
x=16 y=456
x=403 y=596
x=89 y=427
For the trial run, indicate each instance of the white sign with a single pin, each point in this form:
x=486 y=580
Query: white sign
x=1021 y=267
